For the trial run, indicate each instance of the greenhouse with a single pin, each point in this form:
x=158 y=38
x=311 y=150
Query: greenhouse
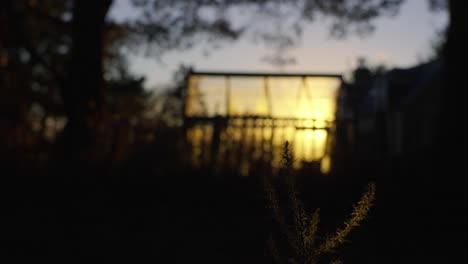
x=237 y=119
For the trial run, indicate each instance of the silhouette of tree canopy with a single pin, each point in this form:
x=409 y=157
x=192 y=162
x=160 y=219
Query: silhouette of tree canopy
x=35 y=55
x=177 y=24
x=37 y=50
x=33 y=49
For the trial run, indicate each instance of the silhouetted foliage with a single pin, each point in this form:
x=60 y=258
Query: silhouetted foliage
x=174 y=25
x=300 y=229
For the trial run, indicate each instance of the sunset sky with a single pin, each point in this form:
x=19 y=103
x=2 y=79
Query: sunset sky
x=400 y=41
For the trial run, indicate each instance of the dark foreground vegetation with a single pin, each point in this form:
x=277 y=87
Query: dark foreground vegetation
x=152 y=207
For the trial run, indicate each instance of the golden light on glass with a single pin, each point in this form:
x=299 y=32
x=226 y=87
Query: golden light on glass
x=310 y=102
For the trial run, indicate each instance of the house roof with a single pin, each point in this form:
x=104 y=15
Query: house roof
x=265 y=74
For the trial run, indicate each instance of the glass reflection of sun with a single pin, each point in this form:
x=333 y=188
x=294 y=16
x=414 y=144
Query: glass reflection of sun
x=316 y=114
x=311 y=101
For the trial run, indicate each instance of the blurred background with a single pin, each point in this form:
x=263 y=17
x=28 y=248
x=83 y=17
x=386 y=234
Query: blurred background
x=134 y=128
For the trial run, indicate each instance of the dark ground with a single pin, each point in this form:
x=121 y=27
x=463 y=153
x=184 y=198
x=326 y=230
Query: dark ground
x=149 y=212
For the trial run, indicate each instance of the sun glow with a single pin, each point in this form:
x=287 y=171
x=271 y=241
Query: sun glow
x=268 y=111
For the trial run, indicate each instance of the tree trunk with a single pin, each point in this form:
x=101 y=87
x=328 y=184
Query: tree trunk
x=453 y=133
x=449 y=202
x=83 y=94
